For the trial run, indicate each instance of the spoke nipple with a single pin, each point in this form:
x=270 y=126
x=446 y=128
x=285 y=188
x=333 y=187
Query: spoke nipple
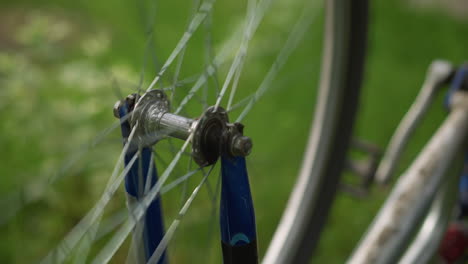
x=241 y=146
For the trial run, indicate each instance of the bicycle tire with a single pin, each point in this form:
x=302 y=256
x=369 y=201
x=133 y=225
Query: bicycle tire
x=312 y=197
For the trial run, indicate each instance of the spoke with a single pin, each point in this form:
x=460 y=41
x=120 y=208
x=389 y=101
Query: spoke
x=172 y=147
x=237 y=65
x=178 y=181
x=183 y=193
x=234 y=88
x=218 y=186
x=83 y=248
x=135 y=246
x=115 y=242
x=201 y=14
x=91 y=220
x=138 y=211
x=148 y=47
x=224 y=54
x=211 y=69
x=241 y=103
x=172 y=228
x=181 y=83
x=17 y=199
x=149 y=22
x=117 y=81
x=191 y=79
x=297 y=34
x=214 y=211
x=93 y=217
x=105 y=228
x=163 y=162
x=112 y=223
x=182 y=55
x=149 y=173
x=116 y=87
x=176 y=74
x=209 y=56
x=160 y=159
x=210 y=190
x=88 y=147
x=138 y=230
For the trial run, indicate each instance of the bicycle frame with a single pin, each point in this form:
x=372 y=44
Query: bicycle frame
x=389 y=235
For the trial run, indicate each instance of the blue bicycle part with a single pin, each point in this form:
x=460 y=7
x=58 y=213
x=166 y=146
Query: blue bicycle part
x=460 y=82
x=212 y=138
x=153 y=230
x=463 y=190
x=237 y=217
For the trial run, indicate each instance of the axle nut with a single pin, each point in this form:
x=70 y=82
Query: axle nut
x=241 y=146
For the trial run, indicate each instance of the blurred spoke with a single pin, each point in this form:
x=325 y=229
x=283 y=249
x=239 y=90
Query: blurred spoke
x=93 y=217
x=178 y=181
x=35 y=190
x=172 y=228
x=86 y=224
x=204 y=9
x=138 y=211
x=300 y=28
x=238 y=63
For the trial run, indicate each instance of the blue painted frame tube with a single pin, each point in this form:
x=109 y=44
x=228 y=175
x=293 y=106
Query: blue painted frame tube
x=237 y=217
x=463 y=190
x=153 y=230
x=459 y=82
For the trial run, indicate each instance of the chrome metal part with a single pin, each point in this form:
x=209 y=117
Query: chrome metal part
x=426 y=242
x=130 y=100
x=438 y=73
x=363 y=168
x=213 y=135
x=146 y=117
x=241 y=146
x=176 y=126
x=208 y=136
x=390 y=231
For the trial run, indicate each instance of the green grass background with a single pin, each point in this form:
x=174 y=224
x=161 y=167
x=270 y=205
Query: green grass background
x=64 y=64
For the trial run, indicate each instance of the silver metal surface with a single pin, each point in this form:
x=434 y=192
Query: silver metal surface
x=287 y=238
x=146 y=116
x=437 y=74
x=116 y=108
x=241 y=146
x=213 y=134
x=406 y=206
x=176 y=126
x=208 y=136
x=425 y=244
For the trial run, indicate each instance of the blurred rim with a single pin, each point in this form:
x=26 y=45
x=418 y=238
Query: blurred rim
x=342 y=68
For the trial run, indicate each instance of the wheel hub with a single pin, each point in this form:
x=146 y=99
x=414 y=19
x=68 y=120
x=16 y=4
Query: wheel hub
x=213 y=135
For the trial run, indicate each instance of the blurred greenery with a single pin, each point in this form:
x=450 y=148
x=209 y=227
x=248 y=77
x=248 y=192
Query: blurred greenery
x=63 y=64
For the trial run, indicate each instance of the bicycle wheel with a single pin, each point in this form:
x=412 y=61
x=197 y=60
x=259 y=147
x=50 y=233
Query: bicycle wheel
x=312 y=196
x=337 y=100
